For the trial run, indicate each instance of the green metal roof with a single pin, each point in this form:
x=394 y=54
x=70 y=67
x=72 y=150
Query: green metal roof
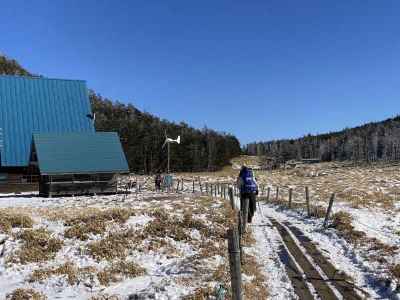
x=79 y=153
x=38 y=105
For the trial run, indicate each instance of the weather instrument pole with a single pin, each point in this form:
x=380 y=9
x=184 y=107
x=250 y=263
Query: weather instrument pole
x=167 y=142
x=168 y=157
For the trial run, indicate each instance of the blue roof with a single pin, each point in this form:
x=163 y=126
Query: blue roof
x=38 y=105
x=80 y=153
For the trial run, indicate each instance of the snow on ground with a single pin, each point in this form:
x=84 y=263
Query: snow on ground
x=173 y=266
x=163 y=266
x=266 y=249
x=345 y=256
x=178 y=240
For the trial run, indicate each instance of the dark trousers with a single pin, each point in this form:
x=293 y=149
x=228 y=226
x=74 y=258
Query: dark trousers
x=252 y=204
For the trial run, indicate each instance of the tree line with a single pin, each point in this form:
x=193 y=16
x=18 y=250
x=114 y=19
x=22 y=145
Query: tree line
x=11 y=67
x=369 y=142
x=142 y=135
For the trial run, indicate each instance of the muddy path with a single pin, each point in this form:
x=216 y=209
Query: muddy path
x=311 y=274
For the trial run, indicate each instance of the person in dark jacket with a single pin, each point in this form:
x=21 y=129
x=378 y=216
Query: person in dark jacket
x=248 y=188
x=158 y=181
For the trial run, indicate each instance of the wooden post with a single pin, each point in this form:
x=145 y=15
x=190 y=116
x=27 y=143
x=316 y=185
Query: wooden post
x=277 y=194
x=308 y=202
x=328 y=212
x=240 y=230
x=240 y=227
x=193 y=186
x=201 y=186
x=268 y=193
x=224 y=191
x=290 y=197
x=215 y=190
x=182 y=185
x=262 y=190
x=245 y=215
x=234 y=263
x=177 y=185
x=231 y=197
x=207 y=188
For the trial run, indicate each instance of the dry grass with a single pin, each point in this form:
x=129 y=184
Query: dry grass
x=361 y=186
x=67 y=269
x=375 y=249
x=118 y=271
x=342 y=222
x=210 y=248
x=202 y=293
x=165 y=228
x=104 y=297
x=222 y=273
x=317 y=211
x=95 y=222
x=119 y=215
x=38 y=246
x=115 y=245
x=82 y=231
x=25 y=294
x=9 y=220
x=395 y=270
x=165 y=225
x=256 y=288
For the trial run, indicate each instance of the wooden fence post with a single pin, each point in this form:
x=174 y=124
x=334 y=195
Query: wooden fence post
x=207 y=188
x=215 y=191
x=328 y=212
x=177 y=185
x=201 y=186
x=308 y=202
x=290 y=197
x=234 y=263
x=245 y=214
x=268 y=193
x=231 y=197
x=224 y=191
x=277 y=194
x=193 y=185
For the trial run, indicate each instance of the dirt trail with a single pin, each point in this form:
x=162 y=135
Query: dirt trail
x=325 y=282
x=338 y=279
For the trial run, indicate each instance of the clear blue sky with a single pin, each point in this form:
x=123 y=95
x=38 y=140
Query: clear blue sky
x=258 y=69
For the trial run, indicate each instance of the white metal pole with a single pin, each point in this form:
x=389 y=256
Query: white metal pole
x=168 y=157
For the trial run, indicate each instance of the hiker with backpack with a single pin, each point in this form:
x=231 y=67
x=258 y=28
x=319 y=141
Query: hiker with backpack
x=248 y=188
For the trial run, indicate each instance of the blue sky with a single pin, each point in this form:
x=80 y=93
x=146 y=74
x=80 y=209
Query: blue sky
x=258 y=69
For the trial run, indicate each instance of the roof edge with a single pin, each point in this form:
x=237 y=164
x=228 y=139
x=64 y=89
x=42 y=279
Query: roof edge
x=40 y=77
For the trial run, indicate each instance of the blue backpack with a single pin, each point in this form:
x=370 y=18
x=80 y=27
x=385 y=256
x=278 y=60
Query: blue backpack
x=249 y=184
